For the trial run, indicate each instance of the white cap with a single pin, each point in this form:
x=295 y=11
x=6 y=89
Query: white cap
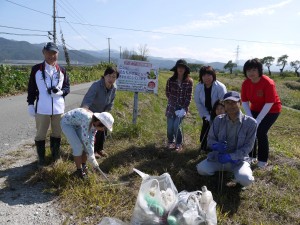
x=105 y=118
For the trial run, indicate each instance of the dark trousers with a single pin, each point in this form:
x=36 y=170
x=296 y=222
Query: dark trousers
x=99 y=141
x=203 y=134
x=261 y=145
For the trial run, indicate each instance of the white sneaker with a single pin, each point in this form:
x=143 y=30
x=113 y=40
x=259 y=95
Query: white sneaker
x=261 y=164
x=171 y=145
x=179 y=148
x=252 y=160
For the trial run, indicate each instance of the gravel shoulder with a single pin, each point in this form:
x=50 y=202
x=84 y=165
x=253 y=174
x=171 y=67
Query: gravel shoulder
x=22 y=201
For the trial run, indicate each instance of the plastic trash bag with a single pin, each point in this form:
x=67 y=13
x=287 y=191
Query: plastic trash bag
x=156 y=197
x=111 y=221
x=194 y=208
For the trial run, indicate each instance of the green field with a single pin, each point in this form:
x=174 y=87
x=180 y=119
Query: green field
x=274 y=198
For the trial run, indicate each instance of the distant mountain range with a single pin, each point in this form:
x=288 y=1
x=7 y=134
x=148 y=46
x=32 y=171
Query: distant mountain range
x=22 y=52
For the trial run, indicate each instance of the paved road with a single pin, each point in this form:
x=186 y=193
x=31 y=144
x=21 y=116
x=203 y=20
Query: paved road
x=16 y=127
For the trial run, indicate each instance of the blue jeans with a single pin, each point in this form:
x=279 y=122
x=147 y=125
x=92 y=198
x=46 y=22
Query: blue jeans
x=174 y=129
x=262 y=141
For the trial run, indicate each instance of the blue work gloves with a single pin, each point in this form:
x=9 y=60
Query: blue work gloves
x=224 y=158
x=219 y=147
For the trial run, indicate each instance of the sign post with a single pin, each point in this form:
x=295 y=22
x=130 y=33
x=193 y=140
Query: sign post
x=135 y=107
x=137 y=76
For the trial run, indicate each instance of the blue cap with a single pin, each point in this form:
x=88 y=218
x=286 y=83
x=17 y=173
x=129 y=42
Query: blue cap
x=50 y=46
x=232 y=95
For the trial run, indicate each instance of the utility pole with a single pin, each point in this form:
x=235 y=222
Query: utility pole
x=120 y=52
x=237 y=55
x=108 y=49
x=54 y=21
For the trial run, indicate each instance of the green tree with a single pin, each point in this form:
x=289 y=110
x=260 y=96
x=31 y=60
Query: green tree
x=230 y=65
x=195 y=67
x=296 y=66
x=141 y=55
x=267 y=61
x=67 y=57
x=282 y=61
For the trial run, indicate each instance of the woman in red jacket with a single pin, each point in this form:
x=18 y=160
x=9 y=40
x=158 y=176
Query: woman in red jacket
x=259 y=90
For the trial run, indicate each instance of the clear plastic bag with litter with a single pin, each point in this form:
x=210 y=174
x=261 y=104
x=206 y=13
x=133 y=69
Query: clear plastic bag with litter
x=158 y=202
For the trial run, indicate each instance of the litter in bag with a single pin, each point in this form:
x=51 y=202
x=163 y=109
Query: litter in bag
x=156 y=197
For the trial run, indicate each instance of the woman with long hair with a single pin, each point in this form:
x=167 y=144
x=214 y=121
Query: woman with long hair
x=179 y=90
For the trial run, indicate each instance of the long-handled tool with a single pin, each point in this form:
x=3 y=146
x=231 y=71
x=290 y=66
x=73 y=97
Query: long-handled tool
x=179 y=127
x=204 y=136
x=220 y=180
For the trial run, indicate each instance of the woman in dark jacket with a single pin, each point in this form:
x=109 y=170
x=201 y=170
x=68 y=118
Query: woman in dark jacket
x=100 y=98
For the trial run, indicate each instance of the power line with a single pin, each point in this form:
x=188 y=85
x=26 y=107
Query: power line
x=24 y=34
x=18 y=28
x=28 y=8
x=81 y=35
x=185 y=35
x=69 y=10
x=160 y=32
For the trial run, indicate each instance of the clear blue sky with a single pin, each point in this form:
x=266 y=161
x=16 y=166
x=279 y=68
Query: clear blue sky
x=203 y=30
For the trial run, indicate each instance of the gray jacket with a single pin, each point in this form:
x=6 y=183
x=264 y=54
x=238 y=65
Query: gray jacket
x=98 y=98
x=217 y=93
x=246 y=133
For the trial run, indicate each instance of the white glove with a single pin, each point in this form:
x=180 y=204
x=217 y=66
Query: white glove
x=31 y=110
x=57 y=94
x=207 y=118
x=177 y=112
x=182 y=113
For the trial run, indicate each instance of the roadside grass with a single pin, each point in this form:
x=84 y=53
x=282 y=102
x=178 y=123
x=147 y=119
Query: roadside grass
x=274 y=198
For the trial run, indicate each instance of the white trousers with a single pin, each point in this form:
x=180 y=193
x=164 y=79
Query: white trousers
x=242 y=171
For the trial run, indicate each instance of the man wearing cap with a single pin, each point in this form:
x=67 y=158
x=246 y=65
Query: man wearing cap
x=47 y=87
x=231 y=138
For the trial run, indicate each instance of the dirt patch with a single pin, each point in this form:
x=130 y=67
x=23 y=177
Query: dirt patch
x=21 y=201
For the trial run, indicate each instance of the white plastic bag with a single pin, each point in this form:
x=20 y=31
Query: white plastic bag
x=188 y=210
x=156 y=197
x=111 y=221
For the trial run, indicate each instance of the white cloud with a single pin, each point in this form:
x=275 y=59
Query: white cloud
x=195 y=25
x=213 y=55
x=265 y=10
x=262 y=50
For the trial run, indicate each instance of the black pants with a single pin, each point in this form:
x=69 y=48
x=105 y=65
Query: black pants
x=99 y=141
x=203 y=134
x=262 y=142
